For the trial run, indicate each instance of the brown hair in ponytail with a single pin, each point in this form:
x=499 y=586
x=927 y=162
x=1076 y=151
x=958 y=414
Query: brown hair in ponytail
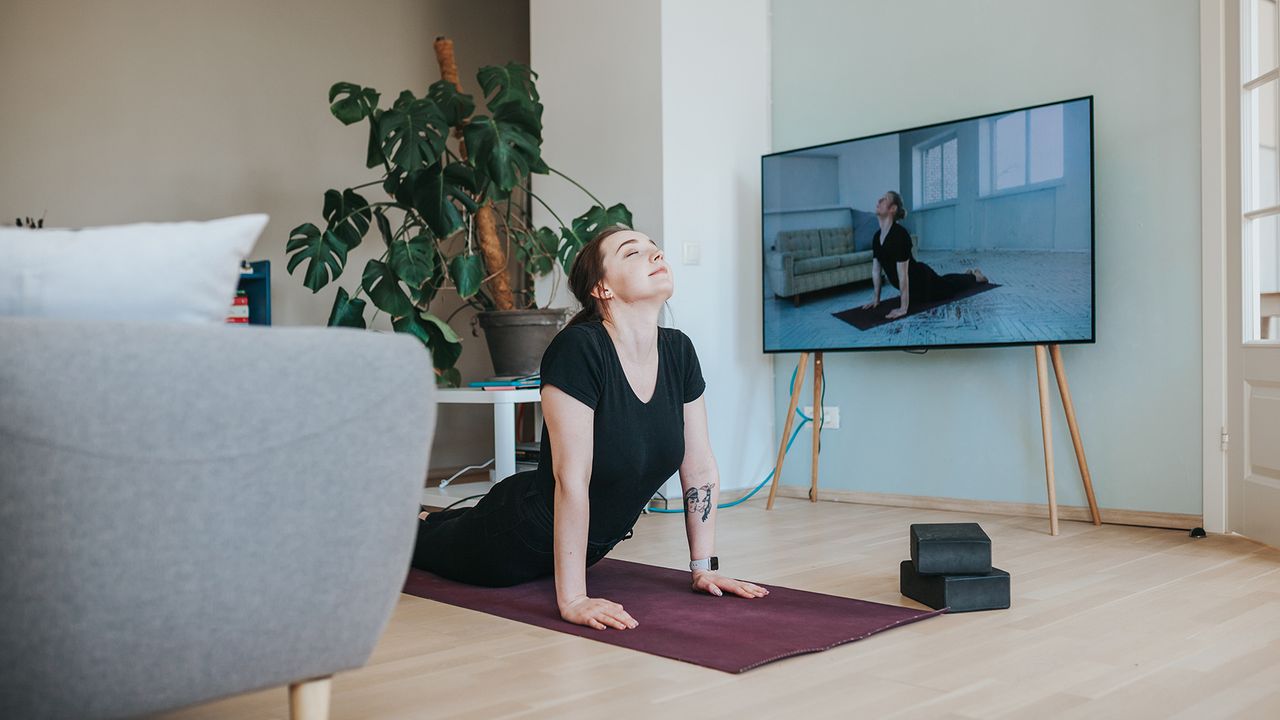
x=897 y=201
x=586 y=274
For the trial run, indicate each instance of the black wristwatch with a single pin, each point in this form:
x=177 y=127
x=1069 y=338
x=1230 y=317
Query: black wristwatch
x=711 y=563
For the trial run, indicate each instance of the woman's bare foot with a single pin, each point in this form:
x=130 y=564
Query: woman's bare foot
x=977 y=275
x=423 y=515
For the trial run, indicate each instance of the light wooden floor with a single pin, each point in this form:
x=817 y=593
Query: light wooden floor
x=1110 y=622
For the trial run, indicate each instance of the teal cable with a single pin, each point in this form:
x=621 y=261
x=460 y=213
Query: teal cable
x=803 y=420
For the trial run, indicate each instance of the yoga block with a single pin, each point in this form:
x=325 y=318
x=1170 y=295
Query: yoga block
x=959 y=593
x=950 y=549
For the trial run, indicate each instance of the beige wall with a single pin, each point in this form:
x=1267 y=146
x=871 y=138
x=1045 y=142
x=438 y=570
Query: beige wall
x=136 y=110
x=603 y=117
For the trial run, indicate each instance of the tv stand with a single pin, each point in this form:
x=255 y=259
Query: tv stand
x=791 y=416
x=1042 y=378
x=1043 y=354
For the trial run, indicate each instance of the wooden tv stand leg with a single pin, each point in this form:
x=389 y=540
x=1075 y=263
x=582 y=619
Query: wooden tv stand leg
x=1042 y=378
x=1056 y=354
x=817 y=425
x=786 y=432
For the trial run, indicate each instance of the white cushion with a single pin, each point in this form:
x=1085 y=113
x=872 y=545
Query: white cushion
x=167 y=272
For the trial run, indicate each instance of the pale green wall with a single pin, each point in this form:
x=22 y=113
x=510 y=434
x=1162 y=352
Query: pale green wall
x=965 y=423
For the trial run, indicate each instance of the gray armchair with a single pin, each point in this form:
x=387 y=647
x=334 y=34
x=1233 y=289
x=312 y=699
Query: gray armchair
x=190 y=512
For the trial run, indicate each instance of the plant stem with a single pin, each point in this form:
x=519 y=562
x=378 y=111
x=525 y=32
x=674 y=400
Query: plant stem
x=372 y=182
x=579 y=186
x=545 y=205
x=465 y=304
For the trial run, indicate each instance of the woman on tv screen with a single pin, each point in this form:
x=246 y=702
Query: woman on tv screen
x=912 y=278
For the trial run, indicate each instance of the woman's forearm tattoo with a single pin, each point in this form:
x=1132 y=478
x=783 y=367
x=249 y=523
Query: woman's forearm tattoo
x=698 y=500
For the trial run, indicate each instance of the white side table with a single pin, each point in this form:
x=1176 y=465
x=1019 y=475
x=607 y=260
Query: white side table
x=504 y=435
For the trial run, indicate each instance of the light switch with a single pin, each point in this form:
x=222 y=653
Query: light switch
x=692 y=253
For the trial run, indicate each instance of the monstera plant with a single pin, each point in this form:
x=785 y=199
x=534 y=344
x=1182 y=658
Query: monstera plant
x=453 y=209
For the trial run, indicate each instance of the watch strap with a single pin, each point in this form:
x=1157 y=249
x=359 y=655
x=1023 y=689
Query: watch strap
x=711 y=563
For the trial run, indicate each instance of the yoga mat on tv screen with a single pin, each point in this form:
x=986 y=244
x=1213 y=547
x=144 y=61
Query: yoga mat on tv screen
x=879 y=315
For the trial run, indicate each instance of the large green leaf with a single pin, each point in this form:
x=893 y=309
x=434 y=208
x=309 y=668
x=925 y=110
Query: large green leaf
x=547 y=240
x=346 y=311
x=412 y=131
x=436 y=192
x=467 y=272
x=392 y=182
x=512 y=83
x=585 y=226
x=325 y=253
x=373 y=153
x=512 y=98
x=351 y=103
x=529 y=122
x=412 y=259
x=384 y=225
x=348 y=216
x=384 y=290
x=537 y=250
x=411 y=256
x=435 y=333
x=450 y=378
x=503 y=153
x=423 y=295
x=455 y=106
x=618 y=215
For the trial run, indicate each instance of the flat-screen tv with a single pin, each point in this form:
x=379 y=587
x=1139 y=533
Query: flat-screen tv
x=976 y=233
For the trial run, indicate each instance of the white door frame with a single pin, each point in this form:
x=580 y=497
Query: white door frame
x=1213 y=155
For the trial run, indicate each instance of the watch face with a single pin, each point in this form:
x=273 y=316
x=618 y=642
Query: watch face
x=715 y=563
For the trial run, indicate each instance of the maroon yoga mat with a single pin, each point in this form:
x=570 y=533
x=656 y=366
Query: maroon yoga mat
x=879 y=315
x=728 y=633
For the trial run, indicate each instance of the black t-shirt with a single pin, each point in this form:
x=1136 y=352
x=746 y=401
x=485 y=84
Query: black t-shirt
x=895 y=249
x=638 y=446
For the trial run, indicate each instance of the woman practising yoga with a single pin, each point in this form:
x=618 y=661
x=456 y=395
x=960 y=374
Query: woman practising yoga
x=622 y=400
x=913 y=279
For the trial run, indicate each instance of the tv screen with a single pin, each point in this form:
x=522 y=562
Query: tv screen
x=976 y=232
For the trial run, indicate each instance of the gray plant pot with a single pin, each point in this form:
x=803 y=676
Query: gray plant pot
x=518 y=338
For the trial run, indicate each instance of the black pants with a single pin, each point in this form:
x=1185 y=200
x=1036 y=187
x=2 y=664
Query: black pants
x=927 y=284
x=505 y=539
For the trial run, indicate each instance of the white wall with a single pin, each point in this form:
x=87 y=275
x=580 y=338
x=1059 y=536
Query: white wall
x=864 y=167
x=965 y=423
x=715 y=100
x=664 y=106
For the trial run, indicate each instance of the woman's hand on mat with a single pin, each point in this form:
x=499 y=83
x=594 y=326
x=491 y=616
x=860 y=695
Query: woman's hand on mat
x=716 y=584
x=597 y=613
x=896 y=313
x=871 y=304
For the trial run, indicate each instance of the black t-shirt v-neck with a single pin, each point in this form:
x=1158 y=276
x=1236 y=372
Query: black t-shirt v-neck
x=896 y=248
x=638 y=445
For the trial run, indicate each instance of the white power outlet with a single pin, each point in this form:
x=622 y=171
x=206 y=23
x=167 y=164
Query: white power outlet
x=830 y=416
x=692 y=253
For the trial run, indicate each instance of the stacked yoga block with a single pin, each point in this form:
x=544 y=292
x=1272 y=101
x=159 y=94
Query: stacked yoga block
x=950 y=567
